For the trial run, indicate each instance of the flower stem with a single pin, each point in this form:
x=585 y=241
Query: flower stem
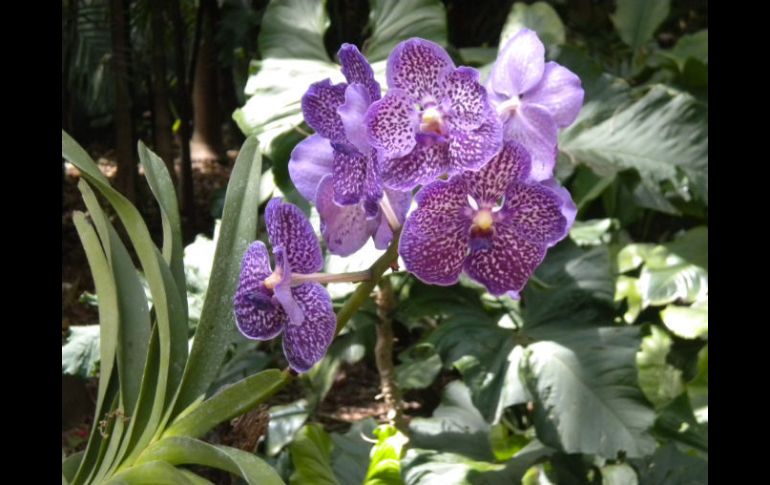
x=299 y=278
x=389 y=213
x=383 y=354
x=360 y=295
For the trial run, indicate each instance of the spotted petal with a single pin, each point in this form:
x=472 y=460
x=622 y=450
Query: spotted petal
x=344 y=228
x=356 y=69
x=288 y=228
x=434 y=239
x=567 y=207
x=560 y=92
x=468 y=98
x=349 y=173
x=319 y=107
x=507 y=264
x=472 y=149
x=426 y=162
x=488 y=184
x=392 y=124
x=519 y=66
x=535 y=212
x=434 y=245
x=419 y=66
x=310 y=161
x=533 y=127
x=256 y=313
x=307 y=343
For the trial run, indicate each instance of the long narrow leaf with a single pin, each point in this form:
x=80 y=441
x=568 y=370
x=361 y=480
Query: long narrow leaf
x=239 y=227
x=163 y=189
x=229 y=403
x=181 y=450
x=152 y=473
x=134 y=322
x=108 y=317
x=146 y=251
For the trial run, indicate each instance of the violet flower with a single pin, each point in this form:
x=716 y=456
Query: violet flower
x=496 y=224
x=533 y=98
x=338 y=169
x=269 y=302
x=434 y=119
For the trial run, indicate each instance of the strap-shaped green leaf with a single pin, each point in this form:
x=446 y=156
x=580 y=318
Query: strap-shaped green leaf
x=134 y=317
x=162 y=188
x=168 y=375
x=153 y=473
x=229 y=403
x=181 y=450
x=216 y=328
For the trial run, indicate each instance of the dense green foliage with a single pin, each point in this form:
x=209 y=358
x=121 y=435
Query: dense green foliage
x=599 y=374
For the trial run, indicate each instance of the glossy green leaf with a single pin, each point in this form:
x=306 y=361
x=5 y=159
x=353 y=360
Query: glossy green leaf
x=540 y=17
x=620 y=474
x=627 y=288
x=285 y=421
x=669 y=465
x=385 y=462
x=181 y=450
x=660 y=381
x=419 y=367
x=677 y=422
x=429 y=467
x=311 y=454
x=505 y=442
x=629 y=137
x=592 y=232
x=216 y=328
x=350 y=454
x=294 y=29
x=585 y=392
x=230 y=402
x=637 y=20
x=70 y=464
x=688 y=321
x=392 y=22
x=456 y=426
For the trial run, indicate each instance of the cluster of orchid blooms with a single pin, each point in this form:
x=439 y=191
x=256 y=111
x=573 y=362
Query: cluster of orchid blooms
x=484 y=157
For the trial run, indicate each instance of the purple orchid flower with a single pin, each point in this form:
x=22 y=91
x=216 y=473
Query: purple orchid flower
x=269 y=302
x=533 y=98
x=496 y=224
x=435 y=118
x=337 y=168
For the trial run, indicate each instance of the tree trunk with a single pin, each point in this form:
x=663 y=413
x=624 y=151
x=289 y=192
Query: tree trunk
x=125 y=180
x=207 y=137
x=186 y=196
x=161 y=113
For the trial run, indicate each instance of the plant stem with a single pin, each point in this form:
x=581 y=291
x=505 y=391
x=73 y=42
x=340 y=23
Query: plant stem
x=383 y=354
x=299 y=278
x=359 y=296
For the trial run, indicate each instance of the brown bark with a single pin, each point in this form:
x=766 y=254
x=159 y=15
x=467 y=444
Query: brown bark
x=161 y=113
x=383 y=354
x=207 y=136
x=186 y=197
x=125 y=180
